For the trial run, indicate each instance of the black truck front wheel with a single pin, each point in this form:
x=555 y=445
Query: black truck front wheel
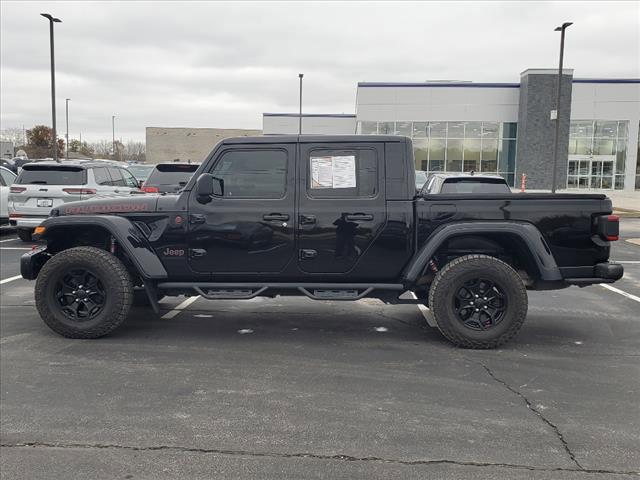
x=478 y=301
x=83 y=292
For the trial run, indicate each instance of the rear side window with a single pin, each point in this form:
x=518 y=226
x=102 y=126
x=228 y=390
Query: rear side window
x=253 y=173
x=51 y=175
x=342 y=173
x=6 y=177
x=474 y=186
x=168 y=174
x=117 y=180
x=102 y=176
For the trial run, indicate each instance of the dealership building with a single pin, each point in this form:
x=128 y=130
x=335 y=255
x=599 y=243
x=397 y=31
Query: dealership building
x=504 y=128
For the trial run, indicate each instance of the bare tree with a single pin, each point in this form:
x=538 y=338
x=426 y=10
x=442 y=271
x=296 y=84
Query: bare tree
x=15 y=135
x=135 y=151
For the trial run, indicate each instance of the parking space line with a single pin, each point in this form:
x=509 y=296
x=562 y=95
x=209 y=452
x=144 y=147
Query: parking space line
x=620 y=292
x=178 y=308
x=10 y=279
x=9 y=240
x=14 y=248
x=626 y=261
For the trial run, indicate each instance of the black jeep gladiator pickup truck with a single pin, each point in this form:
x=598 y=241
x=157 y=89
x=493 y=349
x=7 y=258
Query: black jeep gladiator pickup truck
x=328 y=217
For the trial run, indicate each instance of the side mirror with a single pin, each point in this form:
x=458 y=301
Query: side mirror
x=208 y=186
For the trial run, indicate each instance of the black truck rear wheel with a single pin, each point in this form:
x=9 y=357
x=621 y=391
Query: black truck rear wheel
x=478 y=301
x=83 y=292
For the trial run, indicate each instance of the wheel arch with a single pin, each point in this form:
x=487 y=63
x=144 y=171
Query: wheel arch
x=520 y=238
x=65 y=232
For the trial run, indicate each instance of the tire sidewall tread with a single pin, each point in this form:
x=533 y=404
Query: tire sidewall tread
x=112 y=273
x=452 y=328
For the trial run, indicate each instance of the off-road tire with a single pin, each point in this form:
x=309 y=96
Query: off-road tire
x=25 y=234
x=112 y=274
x=448 y=281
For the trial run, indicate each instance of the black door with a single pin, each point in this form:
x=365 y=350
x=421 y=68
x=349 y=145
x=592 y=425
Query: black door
x=341 y=205
x=250 y=229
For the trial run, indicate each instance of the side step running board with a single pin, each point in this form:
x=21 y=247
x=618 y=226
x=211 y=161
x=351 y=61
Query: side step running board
x=315 y=291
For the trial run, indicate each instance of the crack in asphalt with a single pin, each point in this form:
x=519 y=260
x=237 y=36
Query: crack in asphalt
x=315 y=456
x=530 y=406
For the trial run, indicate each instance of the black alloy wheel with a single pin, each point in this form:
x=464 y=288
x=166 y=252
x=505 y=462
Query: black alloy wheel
x=480 y=303
x=80 y=294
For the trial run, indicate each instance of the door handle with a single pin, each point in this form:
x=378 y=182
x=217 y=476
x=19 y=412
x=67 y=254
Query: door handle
x=275 y=216
x=197 y=218
x=197 y=252
x=307 y=219
x=116 y=191
x=355 y=217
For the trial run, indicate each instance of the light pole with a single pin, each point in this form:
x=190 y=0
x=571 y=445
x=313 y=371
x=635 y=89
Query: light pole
x=300 y=75
x=113 y=134
x=560 y=29
x=66 y=116
x=53 y=20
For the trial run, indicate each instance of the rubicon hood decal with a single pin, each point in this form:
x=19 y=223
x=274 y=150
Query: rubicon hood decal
x=120 y=205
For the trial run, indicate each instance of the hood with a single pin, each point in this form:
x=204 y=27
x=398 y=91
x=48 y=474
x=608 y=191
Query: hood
x=108 y=205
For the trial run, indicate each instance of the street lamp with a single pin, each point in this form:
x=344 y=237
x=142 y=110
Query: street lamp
x=66 y=116
x=560 y=29
x=53 y=20
x=113 y=134
x=300 y=75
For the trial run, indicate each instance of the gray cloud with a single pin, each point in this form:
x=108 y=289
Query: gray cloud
x=223 y=64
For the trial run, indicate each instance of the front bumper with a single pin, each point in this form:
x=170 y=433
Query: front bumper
x=26 y=222
x=605 y=272
x=32 y=262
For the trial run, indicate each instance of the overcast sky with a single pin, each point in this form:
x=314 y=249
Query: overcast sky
x=221 y=65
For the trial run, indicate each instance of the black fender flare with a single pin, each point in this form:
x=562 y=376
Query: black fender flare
x=128 y=236
x=527 y=232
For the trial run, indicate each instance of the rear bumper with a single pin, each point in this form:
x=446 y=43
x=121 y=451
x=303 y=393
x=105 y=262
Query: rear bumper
x=32 y=262
x=605 y=272
x=26 y=222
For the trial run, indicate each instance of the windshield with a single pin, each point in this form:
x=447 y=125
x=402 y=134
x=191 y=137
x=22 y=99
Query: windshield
x=51 y=175
x=171 y=174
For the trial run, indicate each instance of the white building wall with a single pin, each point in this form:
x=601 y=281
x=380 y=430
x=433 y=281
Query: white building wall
x=287 y=124
x=437 y=103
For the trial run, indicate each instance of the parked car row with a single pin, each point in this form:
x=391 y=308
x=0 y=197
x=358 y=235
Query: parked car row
x=28 y=198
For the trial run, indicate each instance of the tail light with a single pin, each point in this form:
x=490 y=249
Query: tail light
x=146 y=189
x=80 y=191
x=608 y=227
x=17 y=189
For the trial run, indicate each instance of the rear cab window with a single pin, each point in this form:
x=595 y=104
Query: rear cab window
x=472 y=185
x=52 y=175
x=171 y=174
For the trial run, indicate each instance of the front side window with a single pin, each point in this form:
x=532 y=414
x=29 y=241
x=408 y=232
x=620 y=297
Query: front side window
x=129 y=179
x=342 y=173
x=253 y=173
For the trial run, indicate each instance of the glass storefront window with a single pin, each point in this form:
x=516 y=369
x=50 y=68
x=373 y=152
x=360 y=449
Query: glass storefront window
x=472 y=149
x=507 y=156
x=582 y=128
x=455 y=130
x=421 y=153
x=509 y=130
x=386 y=128
x=473 y=130
x=604 y=146
x=490 y=129
x=606 y=129
x=623 y=129
x=367 y=128
x=438 y=129
x=436 y=148
x=436 y=165
x=420 y=129
x=403 y=128
x=580 y=146
x=454 y=154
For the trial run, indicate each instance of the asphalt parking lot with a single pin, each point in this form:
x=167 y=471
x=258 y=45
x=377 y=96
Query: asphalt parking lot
x=291 y=388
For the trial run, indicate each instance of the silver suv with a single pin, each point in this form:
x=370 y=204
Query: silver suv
x=44 y=185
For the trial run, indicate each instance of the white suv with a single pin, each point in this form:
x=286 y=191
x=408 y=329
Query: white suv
x=44 y=185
